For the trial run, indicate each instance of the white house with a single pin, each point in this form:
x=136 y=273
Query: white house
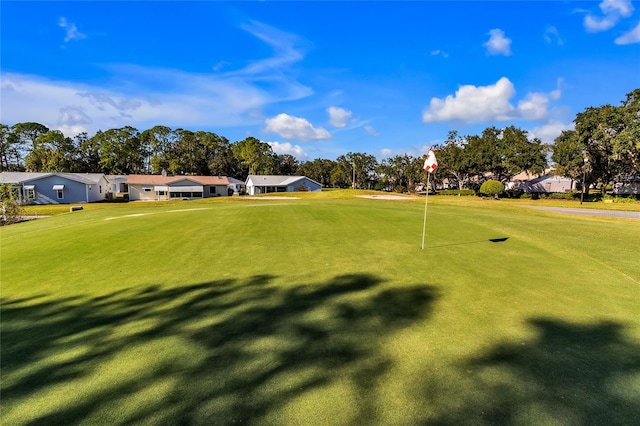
x=117 y=184
x=58 y=188
x=263 y=184
x=545 y=182
x=236 y=185
x=156 y=187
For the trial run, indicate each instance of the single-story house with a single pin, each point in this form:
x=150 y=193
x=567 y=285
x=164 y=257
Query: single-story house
x=236 y=185
x=117 y=184
x=545 y=182
x=58 y=188
x=262 y=184
x=157 y=187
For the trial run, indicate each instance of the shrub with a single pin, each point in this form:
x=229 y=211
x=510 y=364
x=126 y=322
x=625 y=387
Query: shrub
x=302 y=187
x=11 y=210
x=514 y=193
x=399 y=188
x=457 y=192
x=561 y=196
x=492 y=188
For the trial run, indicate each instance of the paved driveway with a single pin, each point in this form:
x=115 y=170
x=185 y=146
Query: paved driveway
x=589 y=212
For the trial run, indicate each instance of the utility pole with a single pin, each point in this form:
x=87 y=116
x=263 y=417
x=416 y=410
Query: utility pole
x=584 y=178
x=353 y=181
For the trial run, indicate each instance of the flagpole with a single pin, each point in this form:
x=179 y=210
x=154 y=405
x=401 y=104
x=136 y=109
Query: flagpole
x=426 y=202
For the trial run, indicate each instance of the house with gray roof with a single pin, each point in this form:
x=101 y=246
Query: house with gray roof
x=236 y=185
x=117 y=184
x=546 y=182
x=57 y=188
x=263 y=184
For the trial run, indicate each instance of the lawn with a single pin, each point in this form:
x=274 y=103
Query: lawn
x=320 y=310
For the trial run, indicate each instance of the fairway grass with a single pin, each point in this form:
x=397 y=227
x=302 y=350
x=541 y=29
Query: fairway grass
x=320 y=310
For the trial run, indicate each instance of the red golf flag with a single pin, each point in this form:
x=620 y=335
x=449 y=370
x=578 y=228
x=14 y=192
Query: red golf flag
x=430 y=163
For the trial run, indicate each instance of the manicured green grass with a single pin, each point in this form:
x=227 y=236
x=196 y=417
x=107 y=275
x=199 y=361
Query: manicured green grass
x=320 y=310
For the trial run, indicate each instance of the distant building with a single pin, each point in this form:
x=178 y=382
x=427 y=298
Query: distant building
x=157 y=187
x=263 y=184
x=546 y=182
x=117 y=184
x=236 y=185
x=58 y=188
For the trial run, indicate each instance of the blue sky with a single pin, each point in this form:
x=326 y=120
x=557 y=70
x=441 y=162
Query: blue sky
x=317 y=79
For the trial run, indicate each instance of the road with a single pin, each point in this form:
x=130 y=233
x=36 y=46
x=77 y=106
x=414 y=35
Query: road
x=590 y=212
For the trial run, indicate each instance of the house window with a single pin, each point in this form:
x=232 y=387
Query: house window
x=30 y=193
x=212 y=190
x=59 y=191
x=101 y=189
x=161 y=192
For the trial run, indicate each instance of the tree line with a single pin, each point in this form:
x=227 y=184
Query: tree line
x=604 y=147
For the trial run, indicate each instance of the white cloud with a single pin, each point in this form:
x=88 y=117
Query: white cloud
x=551 y=35
x=338 y=117
x=283 y=44
x=548 y=132
x=220 y=65
x=71 y=29
x=287 y=148
x=557 y=93
x=613 y=11
x=371 y=131
x=474 y=104
x=386 y=152
x=533 y=106
x=630 y=37
x=596 y=24
x=103 y=100
x=158 y=95
x=622 y=7
x=70 y=131
x=498 y=44
x=72 y=115
x=290 y=127
x=193 y=100
x=439 y=52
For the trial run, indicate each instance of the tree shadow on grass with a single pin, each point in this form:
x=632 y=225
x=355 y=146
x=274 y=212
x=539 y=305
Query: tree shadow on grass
x=570 y=374
x=218 y=352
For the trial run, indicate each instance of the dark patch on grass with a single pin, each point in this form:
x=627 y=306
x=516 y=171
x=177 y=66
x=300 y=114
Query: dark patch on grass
x=492 y=240
x=579 y=374
x=259 y=346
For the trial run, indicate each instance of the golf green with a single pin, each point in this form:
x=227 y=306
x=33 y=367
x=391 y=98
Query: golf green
x=321 y=309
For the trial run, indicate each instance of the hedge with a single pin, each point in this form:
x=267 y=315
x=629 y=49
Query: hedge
x=457 y=192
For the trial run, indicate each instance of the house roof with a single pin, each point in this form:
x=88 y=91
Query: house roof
x=275 y=180
x=22 y=177
x=168 y=180
x=526 y=176
x=19 y=177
